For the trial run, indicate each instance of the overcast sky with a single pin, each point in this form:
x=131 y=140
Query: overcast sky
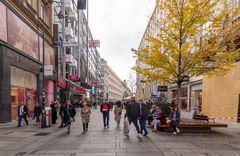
x=119 y=25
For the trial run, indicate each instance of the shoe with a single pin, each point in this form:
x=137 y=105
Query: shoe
x=68 y=132
x=60 y=127
x=178 y=131
x=65 y=126
x=154 y=130
x=146 y=134
x=174 y=133
x=139 y=135
x=127 y=135
x=107 y=126
x=18 y=126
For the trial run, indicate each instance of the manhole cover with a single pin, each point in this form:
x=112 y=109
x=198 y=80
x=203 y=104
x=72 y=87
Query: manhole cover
x=21 y=153
x=42 y=134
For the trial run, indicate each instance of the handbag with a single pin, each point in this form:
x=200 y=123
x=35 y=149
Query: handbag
x=169 y=121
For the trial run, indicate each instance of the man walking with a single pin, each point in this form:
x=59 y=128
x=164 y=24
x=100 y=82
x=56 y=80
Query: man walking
x=144 y=111
x=133 y=114
x=22 y=113
x=105 y=108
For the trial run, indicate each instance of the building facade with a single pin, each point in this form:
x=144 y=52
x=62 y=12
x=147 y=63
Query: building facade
x=112 y=85
x=26 y=34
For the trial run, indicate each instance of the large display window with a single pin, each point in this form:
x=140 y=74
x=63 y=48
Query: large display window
x=23 y=90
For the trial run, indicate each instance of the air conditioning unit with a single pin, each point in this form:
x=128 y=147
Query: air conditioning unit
x=68 y=32
x=73 y=16
x=68 y=5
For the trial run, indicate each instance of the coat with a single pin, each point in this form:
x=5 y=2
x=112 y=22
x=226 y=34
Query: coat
x=144 y=111
x=117 y=113
x=85 y=114
x=133 y=111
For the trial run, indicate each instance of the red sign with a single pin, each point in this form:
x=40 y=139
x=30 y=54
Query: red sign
x=61 y=84
x=79 y=90
x=73 y=77
x=94 y=43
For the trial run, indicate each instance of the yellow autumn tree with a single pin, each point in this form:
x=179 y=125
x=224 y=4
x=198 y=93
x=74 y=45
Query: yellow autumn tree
x=194 y=39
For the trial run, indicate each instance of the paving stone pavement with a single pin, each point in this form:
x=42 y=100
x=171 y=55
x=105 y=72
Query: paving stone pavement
x=111 y=142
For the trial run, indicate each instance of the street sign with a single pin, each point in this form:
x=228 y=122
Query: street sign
x=48 y=70
x=162 y=88
x=65 y=44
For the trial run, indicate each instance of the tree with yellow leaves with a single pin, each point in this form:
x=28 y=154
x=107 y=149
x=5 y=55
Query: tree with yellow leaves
x=194 y=40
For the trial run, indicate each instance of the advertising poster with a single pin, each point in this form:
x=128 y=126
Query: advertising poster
x=22 y=36
x=3 y=22
x=49 y=56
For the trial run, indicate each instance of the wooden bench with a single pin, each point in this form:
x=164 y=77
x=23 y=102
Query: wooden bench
x=193 y=126
x=202 y=117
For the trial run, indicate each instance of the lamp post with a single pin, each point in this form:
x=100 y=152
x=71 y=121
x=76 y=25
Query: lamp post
x=43 y=125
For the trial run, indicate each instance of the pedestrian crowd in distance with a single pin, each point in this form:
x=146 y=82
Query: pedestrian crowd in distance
x=139 y=113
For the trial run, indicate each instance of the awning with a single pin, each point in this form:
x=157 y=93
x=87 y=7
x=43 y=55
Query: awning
x=79 y=90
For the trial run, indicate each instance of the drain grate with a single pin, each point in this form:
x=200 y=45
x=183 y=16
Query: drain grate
x=21 y=153
x=41 y=134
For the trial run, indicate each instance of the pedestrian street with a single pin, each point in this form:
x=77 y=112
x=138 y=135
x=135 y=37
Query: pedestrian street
x=33 y=141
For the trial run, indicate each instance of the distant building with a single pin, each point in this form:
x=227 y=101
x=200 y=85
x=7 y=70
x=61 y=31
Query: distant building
x=112 y=85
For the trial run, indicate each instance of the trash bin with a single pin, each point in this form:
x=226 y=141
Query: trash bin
x=48 y=116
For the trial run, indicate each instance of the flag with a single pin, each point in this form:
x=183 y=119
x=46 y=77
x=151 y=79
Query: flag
x=81 y=5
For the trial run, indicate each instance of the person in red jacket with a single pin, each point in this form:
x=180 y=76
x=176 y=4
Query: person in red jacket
x=105 y=108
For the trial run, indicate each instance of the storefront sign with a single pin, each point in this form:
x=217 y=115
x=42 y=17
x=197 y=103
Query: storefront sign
x=79 y=90
x=48 y=70
x=18 y=59
x=73 y=77
x=61 y=84
x=162 y=88
x=66 y=44
x=94 y=43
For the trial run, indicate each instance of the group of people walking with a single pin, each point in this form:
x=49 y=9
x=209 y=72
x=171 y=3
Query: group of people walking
x=138 y=113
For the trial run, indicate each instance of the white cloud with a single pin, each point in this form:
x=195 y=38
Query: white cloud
x=119 y=25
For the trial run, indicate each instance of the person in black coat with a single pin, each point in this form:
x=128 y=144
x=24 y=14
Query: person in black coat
x=54 y=112
x=61 y=113
x=37 y=112
x=133 y=114
x=144 y=111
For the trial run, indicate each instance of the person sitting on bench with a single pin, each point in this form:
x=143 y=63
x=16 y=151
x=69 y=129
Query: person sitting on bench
x=175 y=117
x=158 y=118
x=150 y=115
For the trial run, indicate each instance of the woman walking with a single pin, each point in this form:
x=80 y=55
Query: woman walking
x=118 y=112
x=85 y=114
x=67 y=116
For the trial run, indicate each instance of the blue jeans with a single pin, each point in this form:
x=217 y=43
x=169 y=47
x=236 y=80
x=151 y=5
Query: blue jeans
x=20 y=120
x=175 y=125
x=106 y=119
x=143 y=126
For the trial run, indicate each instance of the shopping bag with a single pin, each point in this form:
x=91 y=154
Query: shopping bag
x=126 y=127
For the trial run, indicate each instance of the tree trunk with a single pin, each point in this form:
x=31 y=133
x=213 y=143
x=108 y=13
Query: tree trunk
x=179 y=102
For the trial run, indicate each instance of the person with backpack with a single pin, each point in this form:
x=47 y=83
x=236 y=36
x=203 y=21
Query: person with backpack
x=105 y=108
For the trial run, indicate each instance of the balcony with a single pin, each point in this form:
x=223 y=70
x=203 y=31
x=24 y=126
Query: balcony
x=68 y=32
x=68 y=5
x=74 y=64
x=69 y=58
x=73 y=15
